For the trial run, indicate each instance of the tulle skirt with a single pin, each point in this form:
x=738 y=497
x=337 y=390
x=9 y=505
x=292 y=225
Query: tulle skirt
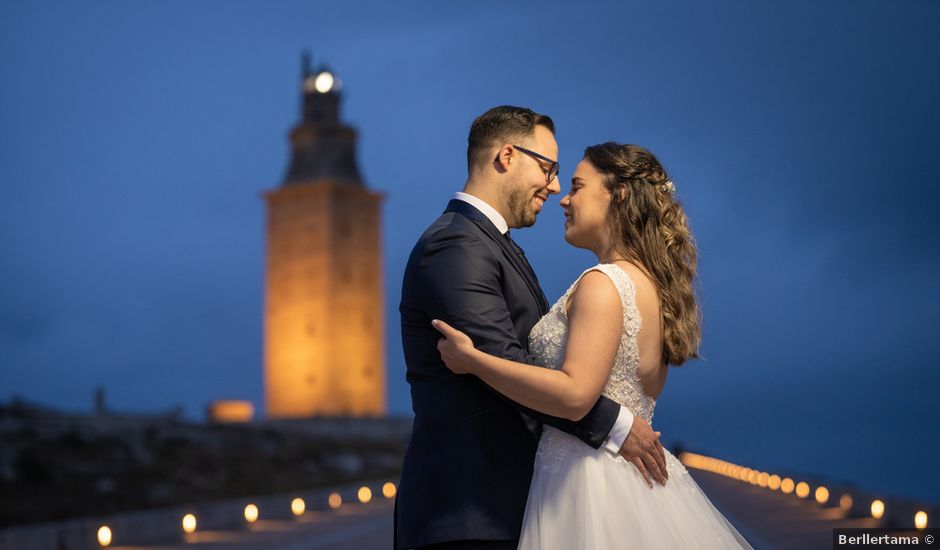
x=588 y=499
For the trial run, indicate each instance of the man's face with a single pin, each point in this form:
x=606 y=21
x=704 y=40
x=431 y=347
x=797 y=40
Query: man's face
x=529 y=188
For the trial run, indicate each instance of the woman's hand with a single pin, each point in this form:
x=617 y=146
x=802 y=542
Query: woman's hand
x=455 y=347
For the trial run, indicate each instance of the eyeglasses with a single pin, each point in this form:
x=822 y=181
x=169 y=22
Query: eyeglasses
x=552 y=169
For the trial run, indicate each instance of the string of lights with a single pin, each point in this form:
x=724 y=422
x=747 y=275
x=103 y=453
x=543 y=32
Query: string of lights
x=850 y=503
x=252 y=512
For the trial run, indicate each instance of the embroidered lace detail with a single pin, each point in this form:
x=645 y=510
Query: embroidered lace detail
x=674 y=466
x=557 y=447
x=547 y=342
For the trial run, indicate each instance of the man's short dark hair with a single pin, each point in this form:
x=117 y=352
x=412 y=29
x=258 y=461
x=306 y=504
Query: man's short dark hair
x=504 y=124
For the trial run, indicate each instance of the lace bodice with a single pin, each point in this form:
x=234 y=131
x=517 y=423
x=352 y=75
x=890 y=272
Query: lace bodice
x=582 y=497
x=548 y=338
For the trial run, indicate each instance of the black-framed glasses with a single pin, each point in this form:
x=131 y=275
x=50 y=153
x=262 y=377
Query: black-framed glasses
x=552 y=169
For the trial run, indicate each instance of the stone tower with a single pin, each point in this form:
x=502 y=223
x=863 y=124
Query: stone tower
x=324 y=331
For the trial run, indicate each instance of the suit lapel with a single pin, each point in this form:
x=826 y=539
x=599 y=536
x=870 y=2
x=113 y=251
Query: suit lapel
x=518 y=262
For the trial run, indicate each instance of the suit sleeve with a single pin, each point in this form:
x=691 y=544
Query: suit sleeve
x=461 y=282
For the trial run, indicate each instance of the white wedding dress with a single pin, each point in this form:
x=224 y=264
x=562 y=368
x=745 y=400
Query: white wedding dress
x=590 y=499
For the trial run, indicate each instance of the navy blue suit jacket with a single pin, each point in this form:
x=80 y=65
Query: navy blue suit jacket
x=468 y=465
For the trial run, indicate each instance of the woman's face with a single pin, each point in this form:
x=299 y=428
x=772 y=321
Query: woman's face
x=586 y=209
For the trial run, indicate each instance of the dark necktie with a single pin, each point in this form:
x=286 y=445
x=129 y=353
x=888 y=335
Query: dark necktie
x=517 y=249
x=519 y=252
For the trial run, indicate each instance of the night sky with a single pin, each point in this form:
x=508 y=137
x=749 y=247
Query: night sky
x=136 y=139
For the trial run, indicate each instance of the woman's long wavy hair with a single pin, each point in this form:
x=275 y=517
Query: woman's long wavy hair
x=650 y=229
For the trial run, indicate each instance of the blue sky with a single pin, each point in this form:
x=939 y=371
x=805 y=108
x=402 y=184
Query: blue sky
x=136 y=140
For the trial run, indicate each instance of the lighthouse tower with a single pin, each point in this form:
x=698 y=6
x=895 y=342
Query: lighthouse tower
x=323 y=312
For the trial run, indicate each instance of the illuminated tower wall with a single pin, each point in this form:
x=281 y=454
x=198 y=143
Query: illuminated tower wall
x=324 y=329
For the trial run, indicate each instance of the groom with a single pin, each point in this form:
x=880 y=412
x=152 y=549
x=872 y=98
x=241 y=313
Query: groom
x=468 y=465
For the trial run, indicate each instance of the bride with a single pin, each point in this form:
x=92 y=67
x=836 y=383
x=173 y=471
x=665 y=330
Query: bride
x=614 y=332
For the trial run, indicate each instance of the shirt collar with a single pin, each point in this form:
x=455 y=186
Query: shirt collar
x=498 y=220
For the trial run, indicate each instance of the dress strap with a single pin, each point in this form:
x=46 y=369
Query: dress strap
x=625 y=288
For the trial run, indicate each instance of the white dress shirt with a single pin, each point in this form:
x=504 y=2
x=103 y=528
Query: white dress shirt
x=618 y=434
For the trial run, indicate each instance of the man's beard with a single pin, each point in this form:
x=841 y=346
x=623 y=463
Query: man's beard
x=520 y=210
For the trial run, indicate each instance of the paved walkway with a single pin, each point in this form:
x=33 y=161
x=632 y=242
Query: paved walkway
x=771 y=520
x=352 y=527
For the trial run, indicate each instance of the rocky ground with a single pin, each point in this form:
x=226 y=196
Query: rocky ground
x=55 y=466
